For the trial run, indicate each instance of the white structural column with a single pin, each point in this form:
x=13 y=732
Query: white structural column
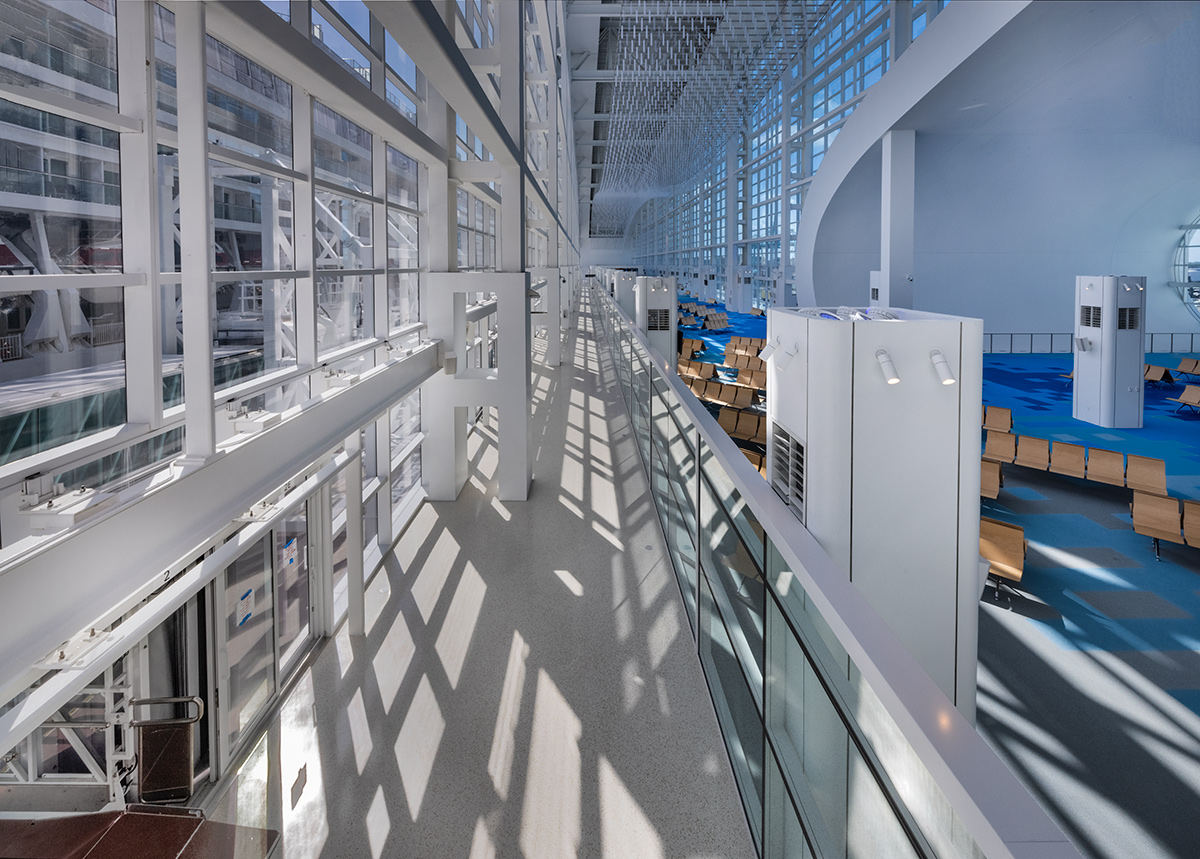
x=444 y=454
x=731 y=246
x=196 y=233
x=512 y=311
x=140 y=223
x=896 y=238
x=355 y=611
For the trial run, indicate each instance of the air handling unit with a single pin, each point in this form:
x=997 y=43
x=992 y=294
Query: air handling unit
x=658 y=312
x=1109 y=386
x=873 y=442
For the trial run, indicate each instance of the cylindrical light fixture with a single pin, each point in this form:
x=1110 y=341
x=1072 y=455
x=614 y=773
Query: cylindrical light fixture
x=886 y=365
x=942 y=366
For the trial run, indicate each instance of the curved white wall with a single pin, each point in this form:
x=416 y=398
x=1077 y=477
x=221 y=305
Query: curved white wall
x=1053 y=139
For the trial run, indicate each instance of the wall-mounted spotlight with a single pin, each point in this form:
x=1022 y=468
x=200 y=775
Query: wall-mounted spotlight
x=767 y=351
x=943 y=368
x=788 y=355
x=1081 y=344
x=886 y=365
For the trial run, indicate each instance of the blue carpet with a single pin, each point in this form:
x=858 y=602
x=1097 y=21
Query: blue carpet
x=1040 y=400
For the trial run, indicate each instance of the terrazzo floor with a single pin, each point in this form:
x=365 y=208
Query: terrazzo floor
x=527 y=685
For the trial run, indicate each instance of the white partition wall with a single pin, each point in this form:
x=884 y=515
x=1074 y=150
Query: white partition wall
x=873 y=440
x=1110 y=314
x=623 y=286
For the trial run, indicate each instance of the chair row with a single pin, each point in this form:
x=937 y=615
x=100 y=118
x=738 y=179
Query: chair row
x=744 y=362
x=757 y=311
x=745 y=345
x=1160 y=518
x=1188 y=367
x=752 y=379
x=726 y=395
x=716 y=321
x=1142 y=473
x=747 y=426
x=691 y=348
x=697 y=369
x=688 y=320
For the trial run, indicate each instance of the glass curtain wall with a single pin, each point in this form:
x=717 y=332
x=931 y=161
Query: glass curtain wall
x=763 y=181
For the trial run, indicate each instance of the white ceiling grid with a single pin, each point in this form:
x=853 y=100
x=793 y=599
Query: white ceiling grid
x=687 y=75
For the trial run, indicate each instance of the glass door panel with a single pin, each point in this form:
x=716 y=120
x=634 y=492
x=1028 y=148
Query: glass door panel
x=249 y=640
x=292 y=592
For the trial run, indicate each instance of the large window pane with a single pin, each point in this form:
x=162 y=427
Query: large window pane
x=402 y=240
x=255 y=329
x=406 y=422
x=344 y=310
x=341 y=150
x=68 y=48
x=342 y=231
x=403 y=306
x=252 y=220
x=327 y=37
x=62 y=367
x=401 y=179
x=61 y=178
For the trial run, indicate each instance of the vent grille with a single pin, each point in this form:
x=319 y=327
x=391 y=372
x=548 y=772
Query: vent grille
x=1129 y=318
x=1089 y=316
x=787 y=472
x=874 y=293
x=658 y=320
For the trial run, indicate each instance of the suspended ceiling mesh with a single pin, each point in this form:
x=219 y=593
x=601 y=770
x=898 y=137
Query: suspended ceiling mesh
x=687 y=76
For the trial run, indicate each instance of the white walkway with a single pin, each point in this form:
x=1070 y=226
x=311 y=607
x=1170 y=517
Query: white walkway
x=528 y=685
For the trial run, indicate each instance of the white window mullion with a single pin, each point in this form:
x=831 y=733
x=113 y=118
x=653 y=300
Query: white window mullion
x=196 y=230
x=140 y=215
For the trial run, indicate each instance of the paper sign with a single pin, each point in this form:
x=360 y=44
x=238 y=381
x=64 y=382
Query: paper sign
x=245 y=607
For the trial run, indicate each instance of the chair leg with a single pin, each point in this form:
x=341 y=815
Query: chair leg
x=1157 y=557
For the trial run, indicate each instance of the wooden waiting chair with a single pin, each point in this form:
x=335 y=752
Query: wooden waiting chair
x=1187 y=367
x=1146 y=474
x=1068 y=459
x=1033 y=452
x=1004 y=547
x=997 y=418
x=728 y=419
x=1070 y=377
x=1155 y=375
x=1106 y=466
x=1190 y=398
x=991 y=478
x=1000 y=447
x=1157 y=517
x=1191 y=522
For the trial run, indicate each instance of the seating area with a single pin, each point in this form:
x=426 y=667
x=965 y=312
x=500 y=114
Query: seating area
x=739 y=361
x=697 y=370
x=714 y=321
x=1156 y=514
x=1159 y=518
x=691 y=348
x=756 y=379
x=736 y=396
x=745 y=345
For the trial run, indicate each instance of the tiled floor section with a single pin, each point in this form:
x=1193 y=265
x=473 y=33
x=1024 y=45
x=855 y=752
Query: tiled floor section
x=527 y=685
